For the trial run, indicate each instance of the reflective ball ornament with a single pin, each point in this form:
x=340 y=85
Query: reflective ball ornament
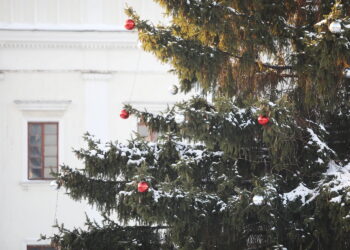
x=142 y=187
x=179 y=118
x=263 y=120
x=346 y=73
x=173 y=90
x=124 y=114
x=129 y=24
x=335 y=27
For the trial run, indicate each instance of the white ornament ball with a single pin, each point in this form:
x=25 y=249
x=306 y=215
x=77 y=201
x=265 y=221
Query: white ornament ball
x=179 y=118
x=54 y=184
x=346 y=73
x=335 y=27
x=258 y=200
x=173 y=90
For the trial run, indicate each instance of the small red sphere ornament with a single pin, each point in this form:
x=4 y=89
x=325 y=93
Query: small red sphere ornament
x=263 y=120
x=124 y=114
x=142 y=187
x=129 y=24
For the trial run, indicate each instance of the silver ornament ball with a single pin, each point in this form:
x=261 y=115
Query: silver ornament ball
x=335 y=27
x=346 y=73
x=173 y=90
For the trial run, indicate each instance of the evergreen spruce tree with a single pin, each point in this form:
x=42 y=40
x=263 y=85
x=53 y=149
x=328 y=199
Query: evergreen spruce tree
x=217 y=178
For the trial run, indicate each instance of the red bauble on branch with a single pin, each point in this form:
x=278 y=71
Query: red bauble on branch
x=129 y=24
x=263 y=120
x=124 y=114
x=142 y=187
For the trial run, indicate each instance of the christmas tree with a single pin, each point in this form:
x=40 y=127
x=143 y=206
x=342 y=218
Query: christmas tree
x=257 y=160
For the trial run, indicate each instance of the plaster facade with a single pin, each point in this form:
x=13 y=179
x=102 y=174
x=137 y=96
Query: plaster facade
x=73 y=63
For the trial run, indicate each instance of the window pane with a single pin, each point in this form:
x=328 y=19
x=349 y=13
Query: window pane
x=35 y=162
x=34 y=151
x=48 y=172
x=50 y=150
x=50 y=162
x=35 y=173
x=51 y=140
x=153 y=136
x=50 y=129
x=142 y=130
x=34 y=129
x=42 y=152
x=35 y=140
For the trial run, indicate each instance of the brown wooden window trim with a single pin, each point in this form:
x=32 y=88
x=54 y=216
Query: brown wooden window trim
x=42 y=155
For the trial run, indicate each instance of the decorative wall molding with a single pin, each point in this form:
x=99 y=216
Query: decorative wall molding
x=26 y=185
x=61 y=27
x=43 y=105
x=84 y=71
x=67 y=45
x=80 y=39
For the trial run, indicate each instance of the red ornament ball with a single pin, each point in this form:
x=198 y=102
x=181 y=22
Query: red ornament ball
x=124 y=114
x=129 y=24
x=263 y=120
x=142 y=187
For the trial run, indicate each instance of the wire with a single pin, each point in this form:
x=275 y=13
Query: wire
x=56 y=208
x=135 y=75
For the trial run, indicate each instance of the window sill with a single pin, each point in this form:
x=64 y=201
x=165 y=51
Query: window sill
x=37 y=183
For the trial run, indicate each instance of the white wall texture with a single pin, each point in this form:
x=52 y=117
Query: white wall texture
x=69 y=61
x=73 y=13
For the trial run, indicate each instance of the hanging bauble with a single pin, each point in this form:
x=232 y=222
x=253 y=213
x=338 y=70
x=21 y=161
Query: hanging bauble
x=335 y=27
x=54 y=184
x=263 y=120
x=179 y=118
x=346 y=73
x=173 y=90
x=129 y=24
x=142 y=187
x=124 y=114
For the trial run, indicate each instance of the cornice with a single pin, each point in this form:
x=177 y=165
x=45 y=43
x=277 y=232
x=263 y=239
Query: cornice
x=67 y=39
x=43 y=105
x=85 y=72
x=61 y=27
x=66 y=45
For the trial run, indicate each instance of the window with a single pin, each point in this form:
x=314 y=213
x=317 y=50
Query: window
x=40 y=247
x=145 y=132
x=42 y=150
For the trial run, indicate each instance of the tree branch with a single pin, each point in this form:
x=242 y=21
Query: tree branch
x=267 y=65
x=281 y=67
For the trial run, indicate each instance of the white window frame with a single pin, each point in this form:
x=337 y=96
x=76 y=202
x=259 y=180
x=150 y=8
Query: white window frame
x=40 y=111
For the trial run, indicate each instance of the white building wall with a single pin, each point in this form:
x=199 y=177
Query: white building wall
x=73 y=13
x=68 y=61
